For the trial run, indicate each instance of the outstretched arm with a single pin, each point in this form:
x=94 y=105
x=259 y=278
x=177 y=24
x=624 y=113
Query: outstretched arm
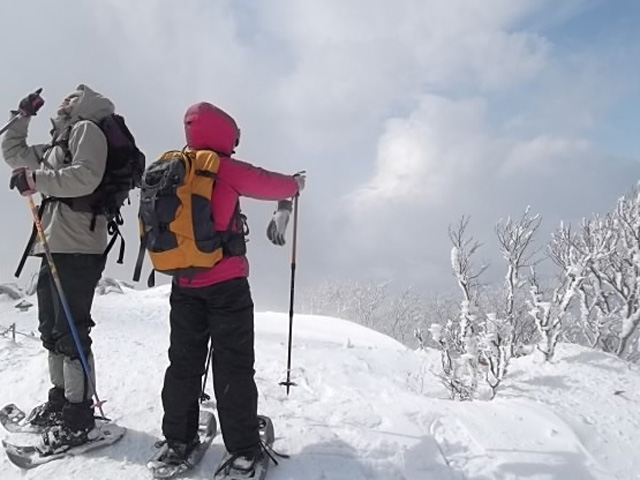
x=255 y=182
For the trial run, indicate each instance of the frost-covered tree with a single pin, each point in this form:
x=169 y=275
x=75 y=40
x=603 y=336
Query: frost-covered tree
x=438 y=310
x=495 y=350
x=623 y=274
x=516 y=238
x=594 y=321
x=352 y=300
x=458 y=340
x=549 y=309
x=403 y=314
x=603 y=263
x=610 y=296
x=367 y=298
x=330 y=298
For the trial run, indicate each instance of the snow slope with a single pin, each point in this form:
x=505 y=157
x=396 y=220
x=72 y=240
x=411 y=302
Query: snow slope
x=364 y=406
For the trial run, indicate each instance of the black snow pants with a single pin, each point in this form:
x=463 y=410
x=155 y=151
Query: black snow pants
x=223 y=313
x=79 y=275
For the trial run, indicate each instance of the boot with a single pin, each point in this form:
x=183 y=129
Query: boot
x=49 y=413
x=76 y=428
x=178 y=452
x=242 y=464
x=78 y=416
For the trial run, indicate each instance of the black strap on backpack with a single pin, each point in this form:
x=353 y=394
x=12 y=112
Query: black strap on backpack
x=32 y=239
x=138 y=268
x=113 y=228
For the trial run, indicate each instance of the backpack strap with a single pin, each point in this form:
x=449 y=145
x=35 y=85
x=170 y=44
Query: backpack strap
x=234 y=243
x=151 y=280
x=140 y=260
x=32 y=238
x=113 y=228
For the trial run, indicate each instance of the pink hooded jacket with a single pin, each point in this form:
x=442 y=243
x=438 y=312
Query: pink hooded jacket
x=209 y=128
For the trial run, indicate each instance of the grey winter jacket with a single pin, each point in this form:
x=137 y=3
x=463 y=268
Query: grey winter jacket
x=67 y=231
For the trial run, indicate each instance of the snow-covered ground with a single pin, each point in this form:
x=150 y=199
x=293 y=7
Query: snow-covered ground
x=364 y=406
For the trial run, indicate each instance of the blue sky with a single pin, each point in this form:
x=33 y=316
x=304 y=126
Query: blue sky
x=608 y=29
x=405 y=114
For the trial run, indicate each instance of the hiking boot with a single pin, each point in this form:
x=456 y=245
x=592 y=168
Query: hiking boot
x=49 y=413
x=177 y=452
x=76 y=426
x=61 y=438
x=246 y=462
x=78 y=416
x=241 y=464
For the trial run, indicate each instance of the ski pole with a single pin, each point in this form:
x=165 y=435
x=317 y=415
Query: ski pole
x=38 y=103
x=203 y=395
x=289 y=383
x=65 y=304
x=9 y=123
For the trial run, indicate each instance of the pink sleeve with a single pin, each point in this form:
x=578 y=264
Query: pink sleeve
x=255 y=182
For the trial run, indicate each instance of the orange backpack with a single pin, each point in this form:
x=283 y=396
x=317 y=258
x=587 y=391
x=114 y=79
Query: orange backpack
x=175 y=218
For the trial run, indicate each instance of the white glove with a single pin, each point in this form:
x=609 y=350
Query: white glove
x=301 y=180
x=278 y=225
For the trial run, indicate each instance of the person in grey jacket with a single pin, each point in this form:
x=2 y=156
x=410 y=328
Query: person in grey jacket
x=70 y=166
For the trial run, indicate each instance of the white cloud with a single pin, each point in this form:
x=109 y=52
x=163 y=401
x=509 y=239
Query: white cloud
x=345 y=65
x=421 y=109
x=420 y=157
x=543 y=153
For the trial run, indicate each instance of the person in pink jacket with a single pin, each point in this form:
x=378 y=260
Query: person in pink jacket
x=216 y=304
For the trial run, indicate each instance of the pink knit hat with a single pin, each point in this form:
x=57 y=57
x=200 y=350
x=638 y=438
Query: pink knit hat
x=207 y=127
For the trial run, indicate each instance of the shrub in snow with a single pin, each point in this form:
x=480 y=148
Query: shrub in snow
x=10 y=291
x=110 y=285
x=457 y=340
x=484 y=337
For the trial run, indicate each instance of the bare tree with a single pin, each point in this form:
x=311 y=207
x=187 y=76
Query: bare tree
x=366 y=299
x=624 y=274
x=405 y=314
x=351 y=300
x=455 y=375
x=495 y=349
x=329 y=298
x=458 y=341
x=597 y=308
x=515 y=238
x=549 y=313
x=462 y=262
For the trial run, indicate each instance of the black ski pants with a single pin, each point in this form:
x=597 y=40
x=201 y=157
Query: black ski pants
x=222 y=313
x=79 y=275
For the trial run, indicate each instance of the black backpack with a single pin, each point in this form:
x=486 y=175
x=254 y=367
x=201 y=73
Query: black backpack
x=123 y=172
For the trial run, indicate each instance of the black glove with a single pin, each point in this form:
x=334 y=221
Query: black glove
x=30 y=104
x=278 y=225
x=22 y=179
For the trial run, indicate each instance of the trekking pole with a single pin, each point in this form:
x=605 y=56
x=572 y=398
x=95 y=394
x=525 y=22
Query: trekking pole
x=65 y=304
x=205 y=396
x=9 y=123
x=289 y=383
x=19 y=115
